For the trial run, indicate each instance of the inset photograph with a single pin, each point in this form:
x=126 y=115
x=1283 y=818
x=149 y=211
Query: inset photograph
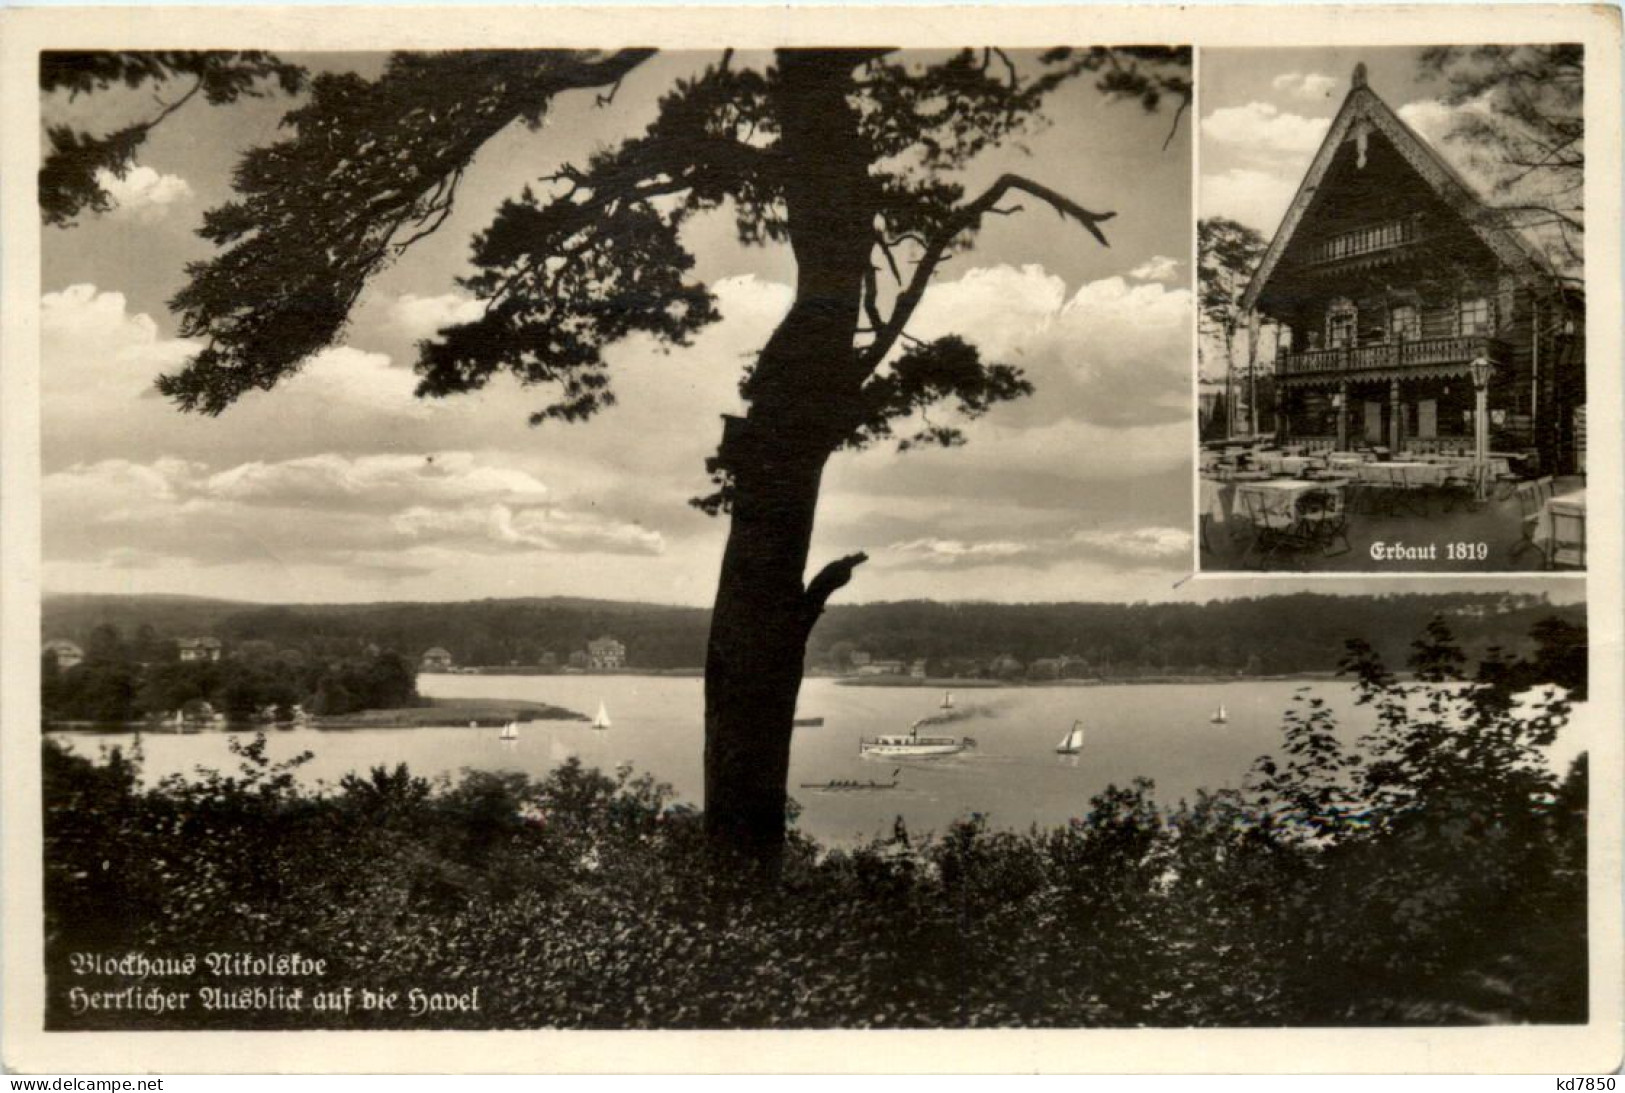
x=1392 y=309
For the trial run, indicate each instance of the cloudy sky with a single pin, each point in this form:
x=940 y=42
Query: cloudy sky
x=1264 y=113
x=340 y=485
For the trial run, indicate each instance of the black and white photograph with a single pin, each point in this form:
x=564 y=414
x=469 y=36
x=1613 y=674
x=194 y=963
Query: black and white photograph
x=604 y=538
x=1392 y=295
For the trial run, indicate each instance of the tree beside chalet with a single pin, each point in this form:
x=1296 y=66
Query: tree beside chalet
x=1400 y=292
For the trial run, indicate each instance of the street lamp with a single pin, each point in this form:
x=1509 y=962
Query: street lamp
x=1481 y=369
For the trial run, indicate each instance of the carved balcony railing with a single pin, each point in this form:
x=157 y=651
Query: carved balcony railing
x=1424 y=352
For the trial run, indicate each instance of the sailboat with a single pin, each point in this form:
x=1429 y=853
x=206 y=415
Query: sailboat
x=947 y=701
x=510 y=731
x=1072 y=742
x=602 y=720
x=1219 y=716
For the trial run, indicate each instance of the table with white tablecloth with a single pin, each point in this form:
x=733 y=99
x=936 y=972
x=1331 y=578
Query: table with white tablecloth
x=1402 y=474
x=1279 y=463
x=1496 y=466
x=1281 y=494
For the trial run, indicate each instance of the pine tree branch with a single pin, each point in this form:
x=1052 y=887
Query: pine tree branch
x=830 y=580
x=967 y=218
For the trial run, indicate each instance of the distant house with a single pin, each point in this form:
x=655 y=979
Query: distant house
x=1006 y=667
x=860 y=658
x=435 y=660
x=606 y=654
x=198 y=711
x=198 y=648
x=883 y=668
x=917 y=669
x=65 y=653
x=1045 y=668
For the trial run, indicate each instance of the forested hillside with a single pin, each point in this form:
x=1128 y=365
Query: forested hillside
x=1304 y=632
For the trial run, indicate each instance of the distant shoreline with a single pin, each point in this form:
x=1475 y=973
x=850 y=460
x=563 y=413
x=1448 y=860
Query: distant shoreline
x=939 y=682
x=986 y=684
x=439 y=713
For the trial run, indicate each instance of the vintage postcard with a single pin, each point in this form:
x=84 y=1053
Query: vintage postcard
x=894 y=540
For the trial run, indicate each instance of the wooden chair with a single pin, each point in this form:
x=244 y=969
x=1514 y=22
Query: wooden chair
x=1506 y=483
x=1568 y=540
x=1460 y=486
x=1529 y=508
x=1324 y=520
x=1274 y=522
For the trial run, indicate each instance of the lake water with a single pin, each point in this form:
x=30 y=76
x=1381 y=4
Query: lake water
x=1014 y=777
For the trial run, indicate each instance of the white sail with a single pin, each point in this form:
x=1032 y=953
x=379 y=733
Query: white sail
x=947 y=700
x=602 y=720
x=1219 y=716
x=1072 y=741
x=510 y=731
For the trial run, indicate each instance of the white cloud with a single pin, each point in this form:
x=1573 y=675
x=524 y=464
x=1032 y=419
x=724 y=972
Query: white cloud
x=342 y=376
x=325 y=486
x=1258 y=199
x=955 y=551
x=1153 y=547
x=1147 y=542
x=90 y=341
x=99 y=362
x=1261 y=128
x=319 y=510
x=1113 y=354
x=1003 y=309
x=1312 y=86
x=1158 y=268
x=425 y=316
x=1434 y=121
x=544 y=528
x=376 y=481
x=144 y=193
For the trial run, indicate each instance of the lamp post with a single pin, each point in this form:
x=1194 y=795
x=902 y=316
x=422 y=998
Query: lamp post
x=1481 y=369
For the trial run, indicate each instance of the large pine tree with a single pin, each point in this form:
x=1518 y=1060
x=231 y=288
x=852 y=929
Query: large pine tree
x=849 y=157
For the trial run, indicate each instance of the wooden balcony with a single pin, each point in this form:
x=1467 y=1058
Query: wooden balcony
x=1424 y=352
x=1372 y=239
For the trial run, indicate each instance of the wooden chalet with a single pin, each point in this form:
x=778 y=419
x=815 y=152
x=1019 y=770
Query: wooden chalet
x=1389 y=277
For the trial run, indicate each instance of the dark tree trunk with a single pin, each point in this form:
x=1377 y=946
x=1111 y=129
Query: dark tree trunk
x=802 y=397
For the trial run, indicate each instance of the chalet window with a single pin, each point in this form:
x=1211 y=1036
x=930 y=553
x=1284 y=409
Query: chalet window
x=1406 y=323
x=1474 y=316
x=1340 y=324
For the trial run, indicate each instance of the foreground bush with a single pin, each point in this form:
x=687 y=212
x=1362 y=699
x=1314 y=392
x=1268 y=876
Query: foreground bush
x=1434 y=874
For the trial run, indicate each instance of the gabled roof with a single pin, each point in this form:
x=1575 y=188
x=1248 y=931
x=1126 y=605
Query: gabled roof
x=1361 y=113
